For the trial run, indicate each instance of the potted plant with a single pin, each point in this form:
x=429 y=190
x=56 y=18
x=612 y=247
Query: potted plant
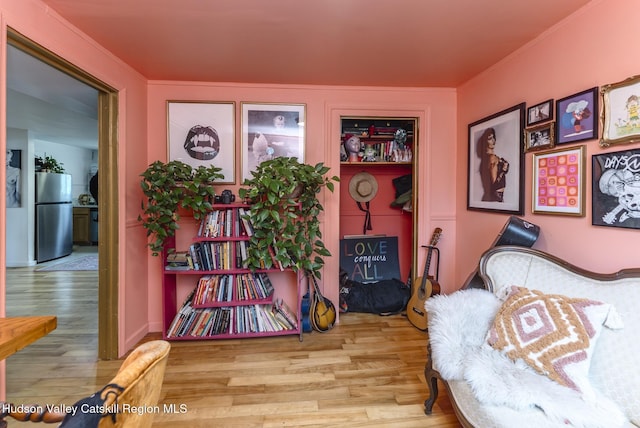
x=168 y=187
x=48 y=164
x=284 y=214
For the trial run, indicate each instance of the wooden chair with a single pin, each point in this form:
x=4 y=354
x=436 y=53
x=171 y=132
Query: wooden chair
x=136 y=386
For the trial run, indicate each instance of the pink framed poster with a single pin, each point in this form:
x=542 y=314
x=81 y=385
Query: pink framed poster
x=559 y=182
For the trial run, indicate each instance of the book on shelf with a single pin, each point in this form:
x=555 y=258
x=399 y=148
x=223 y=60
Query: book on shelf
x=177 y=257
x=217 y=223
x=209 y=225
x=228 y=225
x=178 y=260
x=246 y=288
x=252 y=318
x=283 y=311
x=274 y=262
x=178 y=267
x=222 y=291
x=205 y=255
x=207 y=289
x=247 y=228
x=180 y=317
x=194 y=252
x=222 y=288
x=225 y=222
x=260 y=319
x=215 y=255
x=237 y=230
x=201 y=322
x=265 y=283
x=243 y=254
x=191 y=321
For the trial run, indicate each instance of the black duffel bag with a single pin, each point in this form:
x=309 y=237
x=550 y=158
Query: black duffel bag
x=386 y=297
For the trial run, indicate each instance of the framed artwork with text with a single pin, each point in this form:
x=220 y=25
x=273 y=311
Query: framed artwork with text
x=616 y=189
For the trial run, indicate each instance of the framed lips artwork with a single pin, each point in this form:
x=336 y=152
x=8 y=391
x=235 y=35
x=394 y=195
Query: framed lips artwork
x=202 y=133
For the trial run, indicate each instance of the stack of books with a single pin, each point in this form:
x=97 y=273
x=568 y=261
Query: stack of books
x=180 y=260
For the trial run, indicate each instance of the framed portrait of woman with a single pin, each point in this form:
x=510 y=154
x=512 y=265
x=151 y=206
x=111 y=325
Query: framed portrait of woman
x=496 y=162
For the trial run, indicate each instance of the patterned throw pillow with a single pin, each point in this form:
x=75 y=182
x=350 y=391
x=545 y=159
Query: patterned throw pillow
x=553 y=334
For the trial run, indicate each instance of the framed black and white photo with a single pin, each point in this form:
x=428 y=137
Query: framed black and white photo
x=540 y=113
x=616 y=189
x=202 y=133
x=271 y=130
x=496 y=162
x=577 y=117
x=539 y=137
x=14 y=178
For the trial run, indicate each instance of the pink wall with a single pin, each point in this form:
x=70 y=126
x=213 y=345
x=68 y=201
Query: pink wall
x=36 y=21
x=590 y=48
x=142 y=139
x=435 y=109
x=385 y=220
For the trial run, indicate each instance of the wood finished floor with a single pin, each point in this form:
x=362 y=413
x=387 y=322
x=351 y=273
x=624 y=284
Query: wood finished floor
x=366 y=372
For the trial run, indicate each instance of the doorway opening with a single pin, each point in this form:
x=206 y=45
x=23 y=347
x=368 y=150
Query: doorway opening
x=107 y=189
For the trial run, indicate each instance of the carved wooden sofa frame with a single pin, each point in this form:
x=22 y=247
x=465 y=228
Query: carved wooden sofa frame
x=524 y=267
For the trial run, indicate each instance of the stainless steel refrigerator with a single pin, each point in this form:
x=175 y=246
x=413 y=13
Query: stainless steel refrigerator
x=54 y=216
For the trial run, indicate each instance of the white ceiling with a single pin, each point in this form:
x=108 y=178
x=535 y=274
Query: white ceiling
x=52 y=105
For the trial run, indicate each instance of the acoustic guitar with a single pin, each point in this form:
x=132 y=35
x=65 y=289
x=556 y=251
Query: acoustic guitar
x=425 y=286
x=323 y=312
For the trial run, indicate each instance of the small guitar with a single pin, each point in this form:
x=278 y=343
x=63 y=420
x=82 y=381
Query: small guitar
x=322 y=313
x=425 y=286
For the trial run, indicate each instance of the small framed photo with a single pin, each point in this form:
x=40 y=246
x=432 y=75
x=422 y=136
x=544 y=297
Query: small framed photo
x=539 y=137
x=616 y=189
x=540 y=113
x=14 y=178
x=577 y=117
x=496 y=162
x=270 y=131
x=621 y=112
x=202 y=133
x=559 y=182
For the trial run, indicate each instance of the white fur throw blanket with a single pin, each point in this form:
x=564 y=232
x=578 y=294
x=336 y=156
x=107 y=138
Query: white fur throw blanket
x=458 y=325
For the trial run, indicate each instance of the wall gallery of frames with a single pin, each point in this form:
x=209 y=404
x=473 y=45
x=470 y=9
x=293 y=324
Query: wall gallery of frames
x=549 y=130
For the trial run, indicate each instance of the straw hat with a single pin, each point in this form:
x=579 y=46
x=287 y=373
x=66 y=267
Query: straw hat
x=363 y=187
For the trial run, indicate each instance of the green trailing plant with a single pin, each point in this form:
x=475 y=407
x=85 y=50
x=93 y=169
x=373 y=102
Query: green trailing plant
x=49 y=164
x=168 y=187
x=285 y=214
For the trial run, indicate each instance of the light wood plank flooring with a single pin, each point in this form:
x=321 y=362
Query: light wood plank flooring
x=368 y=371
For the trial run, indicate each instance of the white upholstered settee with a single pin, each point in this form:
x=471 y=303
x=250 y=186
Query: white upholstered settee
x=586 y=372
